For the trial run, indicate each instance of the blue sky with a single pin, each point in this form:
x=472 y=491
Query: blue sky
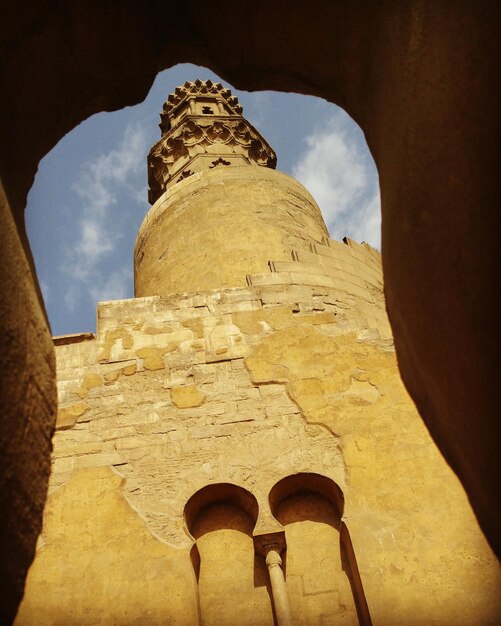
x=90 y=194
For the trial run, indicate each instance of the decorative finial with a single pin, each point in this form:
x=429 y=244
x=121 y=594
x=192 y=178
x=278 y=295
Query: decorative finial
x=202 y=127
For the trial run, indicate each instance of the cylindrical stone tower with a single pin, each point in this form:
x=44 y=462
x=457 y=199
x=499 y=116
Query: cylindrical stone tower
x=220 y=210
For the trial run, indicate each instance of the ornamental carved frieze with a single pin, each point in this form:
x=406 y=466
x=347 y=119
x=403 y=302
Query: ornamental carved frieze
x=198 y=89
x=202 y=128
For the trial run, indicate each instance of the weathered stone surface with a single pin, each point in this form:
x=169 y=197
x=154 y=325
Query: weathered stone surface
x=220 y=252
x=89 y=382
x=68 y=415
x=152 y=357
x=426 y=105
x=304 y=399
x=28 y=409
x=186 y=397
x=151 y=583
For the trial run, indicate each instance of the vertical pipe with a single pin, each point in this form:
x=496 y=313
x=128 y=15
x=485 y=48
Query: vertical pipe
x=278 y=588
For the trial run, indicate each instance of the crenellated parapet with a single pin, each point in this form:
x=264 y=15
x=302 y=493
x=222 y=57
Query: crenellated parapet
x=202 y=128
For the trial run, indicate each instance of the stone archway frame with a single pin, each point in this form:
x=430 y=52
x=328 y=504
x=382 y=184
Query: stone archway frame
x=416 y=76
x=202 y=504
x=306 y=483
x=215 y=493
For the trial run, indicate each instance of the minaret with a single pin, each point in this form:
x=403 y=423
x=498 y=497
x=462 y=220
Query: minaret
x=220 y=209
x=249 y=446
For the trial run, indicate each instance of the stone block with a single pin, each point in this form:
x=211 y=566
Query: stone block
x=204 y=374
x=153 y=358
x=187 y=396
x=97 y=460
x=76 y=449
x=68 y=415
x=262 y=371
x=269 y=278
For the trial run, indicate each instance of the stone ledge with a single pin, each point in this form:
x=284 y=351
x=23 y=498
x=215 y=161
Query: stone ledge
x=63 y=340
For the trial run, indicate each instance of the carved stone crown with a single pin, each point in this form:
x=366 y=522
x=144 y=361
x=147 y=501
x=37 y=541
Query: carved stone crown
x=202 y=127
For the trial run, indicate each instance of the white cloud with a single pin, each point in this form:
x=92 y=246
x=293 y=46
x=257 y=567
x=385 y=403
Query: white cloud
x=101 y=186
x=257 y=106
x=72 y=296
x=102 y=178
x=141 y=195
x=338 y=170
x=94 y=242
x=115 y=287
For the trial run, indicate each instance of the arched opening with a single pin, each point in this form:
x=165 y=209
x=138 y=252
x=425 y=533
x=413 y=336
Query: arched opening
x=232 y=581
x=323 y=582
x=405 y=71
x=90 y=192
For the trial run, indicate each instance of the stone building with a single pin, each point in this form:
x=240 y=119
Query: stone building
x=234 y=445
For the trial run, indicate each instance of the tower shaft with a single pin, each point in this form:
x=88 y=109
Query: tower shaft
x=220 y=210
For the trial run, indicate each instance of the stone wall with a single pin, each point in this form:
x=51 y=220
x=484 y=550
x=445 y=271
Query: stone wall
x=249 y=386
x=417 y=76
x=28 y=405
